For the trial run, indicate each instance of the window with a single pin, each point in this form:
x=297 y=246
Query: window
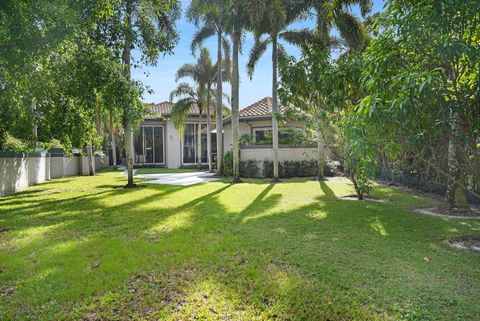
x=149 y=145
x=262 y=136
x=286 y=136
x=190 y=143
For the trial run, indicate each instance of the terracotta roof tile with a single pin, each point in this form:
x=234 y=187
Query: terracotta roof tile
x=165 y=108
x=262 y=107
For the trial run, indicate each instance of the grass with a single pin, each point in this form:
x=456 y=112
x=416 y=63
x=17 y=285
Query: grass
x=167 y=170
x=79 y=248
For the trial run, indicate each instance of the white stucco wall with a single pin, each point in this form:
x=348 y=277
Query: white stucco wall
x=70 y=166
x=173 y=146
x=21 y=170
x=284 y=154
x=18 y=171
x=56 y=167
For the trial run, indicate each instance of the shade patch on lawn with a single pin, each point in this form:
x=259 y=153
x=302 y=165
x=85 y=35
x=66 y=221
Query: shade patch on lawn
x=254 y=251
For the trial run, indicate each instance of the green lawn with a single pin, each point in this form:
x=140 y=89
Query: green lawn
x=81 y=248
x=167 y=170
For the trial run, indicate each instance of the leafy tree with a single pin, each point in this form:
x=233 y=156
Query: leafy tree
x=426 y=58
x=149 y=27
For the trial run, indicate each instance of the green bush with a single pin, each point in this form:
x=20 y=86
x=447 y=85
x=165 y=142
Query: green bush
x=228 y=163
x=13 y=144
x=287 y=169
x=249 y=168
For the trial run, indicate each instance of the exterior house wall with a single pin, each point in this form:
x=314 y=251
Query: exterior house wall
x=173 y=139
x=247 y=127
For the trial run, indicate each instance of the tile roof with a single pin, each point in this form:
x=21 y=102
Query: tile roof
x=165 y=108
x=262 y=107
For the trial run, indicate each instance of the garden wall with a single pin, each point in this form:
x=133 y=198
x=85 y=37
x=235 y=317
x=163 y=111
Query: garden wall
x=21 y=170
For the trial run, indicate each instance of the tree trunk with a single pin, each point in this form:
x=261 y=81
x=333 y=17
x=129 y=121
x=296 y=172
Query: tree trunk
x=235 y=102
x=274 y=109
x=321 y=154
x=34 y=122
x=199 y=141
x=475 y=158
x=219 y=110
x=114 y=143
x=91 y=160
x=455 y=198
x=129 y=151
x=355 y=185
x=209 y=131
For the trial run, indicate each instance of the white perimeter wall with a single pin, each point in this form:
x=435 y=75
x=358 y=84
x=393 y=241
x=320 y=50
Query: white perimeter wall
x=21 y=170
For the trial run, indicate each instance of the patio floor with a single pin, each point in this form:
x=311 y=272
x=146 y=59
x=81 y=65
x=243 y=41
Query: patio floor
x=183 y=179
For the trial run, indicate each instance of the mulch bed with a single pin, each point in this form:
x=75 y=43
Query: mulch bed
x=465 y=243
x=440 y=212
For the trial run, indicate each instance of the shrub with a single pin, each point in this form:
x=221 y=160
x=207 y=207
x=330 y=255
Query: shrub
x=13 y=144
x=249 y=168
x=228 y=163
x=287 y=169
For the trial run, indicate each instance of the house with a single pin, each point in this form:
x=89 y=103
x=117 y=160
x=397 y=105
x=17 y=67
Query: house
x=159 y=143
x=255 y=127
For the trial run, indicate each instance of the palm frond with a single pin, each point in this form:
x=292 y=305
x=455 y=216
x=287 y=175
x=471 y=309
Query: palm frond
x=299 y=38
x=180 y=111
x=256 y=53
x=187 y=70
x=351 y=29
x=205 y=32
x=183 y=90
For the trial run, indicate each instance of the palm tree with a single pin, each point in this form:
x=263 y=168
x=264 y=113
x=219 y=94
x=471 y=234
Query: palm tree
x=276 y=16
x=189 y=97
x=214 y=15
x=203 y=73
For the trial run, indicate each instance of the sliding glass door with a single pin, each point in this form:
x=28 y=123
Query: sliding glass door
x=150 y=145
x=190 y=144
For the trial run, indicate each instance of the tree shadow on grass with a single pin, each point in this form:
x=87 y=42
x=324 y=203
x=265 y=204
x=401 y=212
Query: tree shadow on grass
x=263 y=261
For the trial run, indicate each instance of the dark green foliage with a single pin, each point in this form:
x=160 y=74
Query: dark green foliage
x=288 y=169
x=228 y=163
x=249 y=168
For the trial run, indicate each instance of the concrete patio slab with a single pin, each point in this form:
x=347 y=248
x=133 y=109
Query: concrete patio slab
x=183 y=179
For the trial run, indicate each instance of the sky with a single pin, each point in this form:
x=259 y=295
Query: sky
x=161 y=78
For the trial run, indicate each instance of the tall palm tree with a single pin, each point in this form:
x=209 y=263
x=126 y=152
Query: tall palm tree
x=276 y=16
x=203 y=73
x=214 y=15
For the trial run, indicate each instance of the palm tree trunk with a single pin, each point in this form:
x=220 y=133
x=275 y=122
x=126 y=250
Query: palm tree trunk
x=114 y=143
x=126 y=122
x=219 y=113
x=199 y=141
x=235 y=103
x=209 y=130
x=274 y=109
